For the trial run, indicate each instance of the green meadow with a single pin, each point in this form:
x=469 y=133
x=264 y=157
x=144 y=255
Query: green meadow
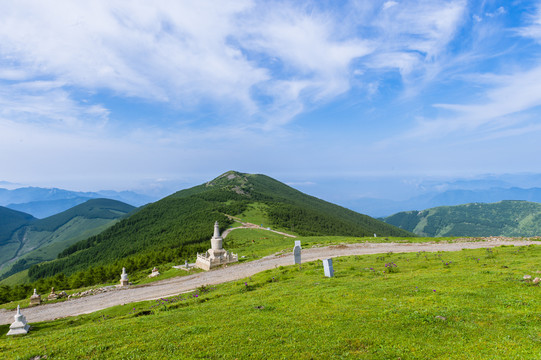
x=471 y=304
x=256 y=243
x=250 y=244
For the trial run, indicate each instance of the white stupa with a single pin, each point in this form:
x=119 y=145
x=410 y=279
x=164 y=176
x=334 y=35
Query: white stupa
x=19 y=326
x=124 y=278
x=216 y=255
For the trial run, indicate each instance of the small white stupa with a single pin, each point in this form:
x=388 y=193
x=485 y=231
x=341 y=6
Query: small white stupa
x=216 y=255
x=124 y=278
x=20 y=326
x=35 y=299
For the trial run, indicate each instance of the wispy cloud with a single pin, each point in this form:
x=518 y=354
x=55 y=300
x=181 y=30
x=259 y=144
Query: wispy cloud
x=46 y=102
x=171 y=52
x=272 y=61
x=500 y=108
x=310 y=57
x=532 y=30
x=301 y=183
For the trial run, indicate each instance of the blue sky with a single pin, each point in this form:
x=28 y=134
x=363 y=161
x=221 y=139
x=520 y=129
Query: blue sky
x=352 y=98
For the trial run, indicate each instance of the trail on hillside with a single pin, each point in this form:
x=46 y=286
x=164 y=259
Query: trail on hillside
x=175 y=286
x=247 y=225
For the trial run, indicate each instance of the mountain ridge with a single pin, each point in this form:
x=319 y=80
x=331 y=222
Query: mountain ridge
x=42 y=239
x=45 y=202
x=387 y=207
x=514 y=218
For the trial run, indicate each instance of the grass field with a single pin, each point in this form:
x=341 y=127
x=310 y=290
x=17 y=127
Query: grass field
x=255 y=243
x=472 y=304
x=255 y=214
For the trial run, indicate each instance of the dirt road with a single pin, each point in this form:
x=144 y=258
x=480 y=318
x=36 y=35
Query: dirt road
x=174 y=286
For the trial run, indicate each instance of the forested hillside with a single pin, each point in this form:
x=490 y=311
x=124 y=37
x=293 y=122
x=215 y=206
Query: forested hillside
x=504 y=218
x=41 y=240
x=180 y=225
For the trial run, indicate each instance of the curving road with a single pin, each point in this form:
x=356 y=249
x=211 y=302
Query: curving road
x=175 y=286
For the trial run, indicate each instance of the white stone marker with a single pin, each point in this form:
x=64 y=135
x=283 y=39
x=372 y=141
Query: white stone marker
x=20 y=326
x=327 y=268
x=297 y=252
x=124 y=278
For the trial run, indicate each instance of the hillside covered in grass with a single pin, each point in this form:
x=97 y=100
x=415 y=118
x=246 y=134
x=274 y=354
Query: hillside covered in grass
x=468 y=304
x=10 y=222
x=504 y=218
x=180 y=225
x=28 y=241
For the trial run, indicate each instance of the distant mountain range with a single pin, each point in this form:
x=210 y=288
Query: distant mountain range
x=385 y=207
x=504 y=218
x=25 y=240
x=42 y=202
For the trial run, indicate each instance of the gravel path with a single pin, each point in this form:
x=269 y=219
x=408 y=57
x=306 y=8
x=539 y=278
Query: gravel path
x=175 y=286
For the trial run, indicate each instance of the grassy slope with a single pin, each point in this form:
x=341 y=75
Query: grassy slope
x=18 y=278
x=45 y=238
x=10 y=222
x=505 y=218
x=256 y=213
x=69 y=234
x=255 y=243
x=309 y=211
x=292 y=312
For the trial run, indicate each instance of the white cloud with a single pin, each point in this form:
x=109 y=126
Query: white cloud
x=171 y=52
x=423 y=26
x=186 y=53
x=499 y=113
x=311 y=57
x=499 y=11
x=501 y=104
x=47 y=102
x=533 y=30
x=413 y=38
x=389 y=4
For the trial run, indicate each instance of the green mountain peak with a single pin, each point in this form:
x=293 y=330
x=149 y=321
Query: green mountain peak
x=180 y=225
x=233 y=181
